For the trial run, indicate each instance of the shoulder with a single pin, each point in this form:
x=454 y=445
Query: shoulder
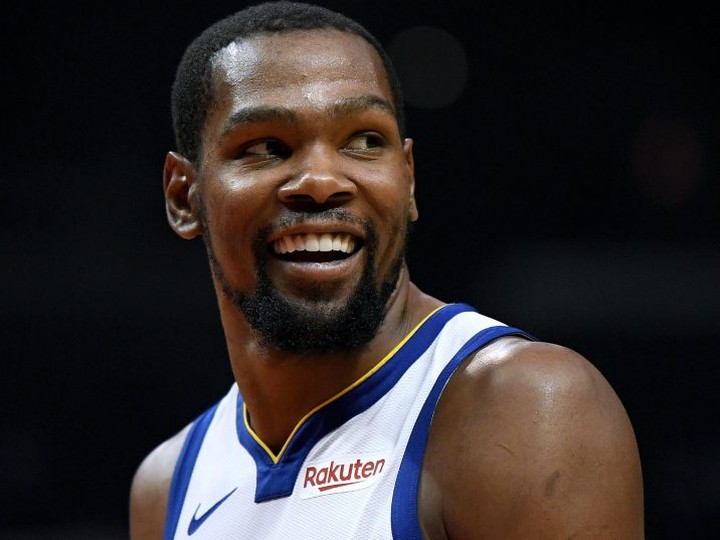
x=534 y=373
x=151 y=486
x=530 y=437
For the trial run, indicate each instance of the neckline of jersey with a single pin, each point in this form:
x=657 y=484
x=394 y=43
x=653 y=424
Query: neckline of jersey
x=277 y=457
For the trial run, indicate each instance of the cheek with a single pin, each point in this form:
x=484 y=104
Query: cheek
x=231 y=231
x=387 y=187
x=394 y=208
x=237 y=203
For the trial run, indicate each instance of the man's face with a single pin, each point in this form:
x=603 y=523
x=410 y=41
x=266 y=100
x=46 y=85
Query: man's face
x=306 y=189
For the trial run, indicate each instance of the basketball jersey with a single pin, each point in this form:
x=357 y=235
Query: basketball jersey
x=351 y=467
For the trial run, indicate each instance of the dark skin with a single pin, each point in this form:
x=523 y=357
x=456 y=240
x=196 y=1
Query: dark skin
x=529 y=440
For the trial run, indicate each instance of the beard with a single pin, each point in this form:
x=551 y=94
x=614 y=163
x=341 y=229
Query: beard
x=315 y=325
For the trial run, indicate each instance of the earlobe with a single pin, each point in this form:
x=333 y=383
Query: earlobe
x=410 y=164
x=414 y=214
x=179 y=187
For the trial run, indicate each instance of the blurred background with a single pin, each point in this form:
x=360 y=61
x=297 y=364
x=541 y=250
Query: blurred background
x=568 y=183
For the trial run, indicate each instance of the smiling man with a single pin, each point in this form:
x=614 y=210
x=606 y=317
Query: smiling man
x=362 y=408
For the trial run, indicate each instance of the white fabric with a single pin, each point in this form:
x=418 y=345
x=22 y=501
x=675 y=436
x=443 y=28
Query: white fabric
x=359 y=510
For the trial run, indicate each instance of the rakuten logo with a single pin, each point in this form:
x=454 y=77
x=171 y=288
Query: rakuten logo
x=340 y=475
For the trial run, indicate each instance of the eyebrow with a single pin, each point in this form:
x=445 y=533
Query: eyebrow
x=351 y=105
x=339 y=109
x=254 y=115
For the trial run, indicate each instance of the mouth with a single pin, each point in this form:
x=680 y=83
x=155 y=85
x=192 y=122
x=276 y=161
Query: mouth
x=323 y=247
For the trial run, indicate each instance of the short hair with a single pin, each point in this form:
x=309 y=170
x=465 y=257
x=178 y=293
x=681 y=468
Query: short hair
x=192 y=88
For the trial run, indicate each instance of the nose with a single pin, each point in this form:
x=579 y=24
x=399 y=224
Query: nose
x=319 y=182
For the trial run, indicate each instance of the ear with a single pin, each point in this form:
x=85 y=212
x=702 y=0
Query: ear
x=179 y=178
x=410 y=164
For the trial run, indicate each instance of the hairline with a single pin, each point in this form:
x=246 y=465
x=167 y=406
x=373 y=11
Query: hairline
x=193 y=88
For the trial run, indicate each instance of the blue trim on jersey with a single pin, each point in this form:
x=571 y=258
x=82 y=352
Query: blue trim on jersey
x=276 y=480
x=404 y=518
x=183 y=470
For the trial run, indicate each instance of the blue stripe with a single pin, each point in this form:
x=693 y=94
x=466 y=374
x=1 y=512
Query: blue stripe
x=183 y=470
x=404 y=514
x=276 y=480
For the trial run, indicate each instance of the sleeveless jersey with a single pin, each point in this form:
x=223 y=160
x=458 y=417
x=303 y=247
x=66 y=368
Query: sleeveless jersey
x=351 y=467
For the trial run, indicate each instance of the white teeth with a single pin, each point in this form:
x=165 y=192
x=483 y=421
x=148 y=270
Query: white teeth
x=299 y=242
x=312 y=242
x=315 y=242
x=326 y=242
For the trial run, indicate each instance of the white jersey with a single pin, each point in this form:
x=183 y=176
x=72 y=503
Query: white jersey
x=350 y=469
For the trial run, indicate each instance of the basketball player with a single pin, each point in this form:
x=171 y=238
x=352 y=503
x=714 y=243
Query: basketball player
x=362 y=408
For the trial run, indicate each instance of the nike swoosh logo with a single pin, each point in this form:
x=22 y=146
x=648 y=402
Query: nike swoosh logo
x=196 y=522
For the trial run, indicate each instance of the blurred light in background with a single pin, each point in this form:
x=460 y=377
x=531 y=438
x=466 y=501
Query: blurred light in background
x=432 y=66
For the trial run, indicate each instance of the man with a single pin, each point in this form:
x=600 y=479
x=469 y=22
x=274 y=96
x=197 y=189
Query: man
x=362 y=408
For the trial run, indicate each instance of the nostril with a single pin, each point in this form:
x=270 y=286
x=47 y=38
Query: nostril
x=298 y=197
x=329 y=188
x=339 y=197
x=301 y=201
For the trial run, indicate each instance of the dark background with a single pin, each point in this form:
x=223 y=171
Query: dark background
x=568 y=182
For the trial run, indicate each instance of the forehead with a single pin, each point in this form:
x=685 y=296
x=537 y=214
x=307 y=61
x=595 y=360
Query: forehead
x=297 y=68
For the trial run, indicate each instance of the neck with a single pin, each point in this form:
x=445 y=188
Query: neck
x=281 y=388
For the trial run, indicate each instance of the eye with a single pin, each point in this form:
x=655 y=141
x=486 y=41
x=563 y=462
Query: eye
x=365 y=143
x=270 y=148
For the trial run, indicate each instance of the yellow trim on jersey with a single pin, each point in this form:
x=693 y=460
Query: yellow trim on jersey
x=275 y=458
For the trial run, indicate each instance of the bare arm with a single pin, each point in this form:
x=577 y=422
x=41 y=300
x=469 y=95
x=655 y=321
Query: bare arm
x=150 y=489
x=530 y=441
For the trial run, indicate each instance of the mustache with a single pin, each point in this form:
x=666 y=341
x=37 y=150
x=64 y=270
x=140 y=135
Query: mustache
x=325 y=216
x=296 y=218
